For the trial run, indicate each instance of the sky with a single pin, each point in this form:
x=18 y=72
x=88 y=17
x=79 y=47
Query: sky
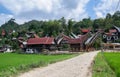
x=26 y=10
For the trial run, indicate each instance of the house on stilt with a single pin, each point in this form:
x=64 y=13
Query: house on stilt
x=77 y=42
x=112 y=38
x=36 y=45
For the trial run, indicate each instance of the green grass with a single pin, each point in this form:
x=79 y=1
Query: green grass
x=113 y=60
x=12 y=63
x=101 y=68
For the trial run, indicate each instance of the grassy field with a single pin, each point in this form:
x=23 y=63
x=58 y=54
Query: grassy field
x=101 y=68
x=113 y=59
x=13 y=63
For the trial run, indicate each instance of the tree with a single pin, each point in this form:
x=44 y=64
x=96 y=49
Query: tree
x=69 y=28
x=10 y=25
x=116 y=15
x=108 y=21
x=116 y=18
x=63 y=23
x=108 y=16
x=98 y=23
x=86 y=23
x=51 y=28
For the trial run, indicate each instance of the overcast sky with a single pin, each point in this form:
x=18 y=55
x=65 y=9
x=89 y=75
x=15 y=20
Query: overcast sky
x=26 y=10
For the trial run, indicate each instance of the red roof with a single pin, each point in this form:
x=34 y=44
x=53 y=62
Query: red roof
x=108 y=34
x=112 y=30
x=3 y=32
x=44 y=40
x=79 y=40
x=85 y=30
x=74 y=41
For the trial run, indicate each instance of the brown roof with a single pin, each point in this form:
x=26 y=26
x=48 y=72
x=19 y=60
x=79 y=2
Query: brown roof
x=44 y=40
x=3 y=32
x=79 y=40
x=85 y=30
x=112 y=30
x=108 y=34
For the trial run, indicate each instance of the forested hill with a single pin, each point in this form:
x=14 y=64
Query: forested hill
x=10 y=25
x=54 y=27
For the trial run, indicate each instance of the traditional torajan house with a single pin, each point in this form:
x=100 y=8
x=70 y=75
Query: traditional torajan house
x=110 y=39
x=83 y=42
x=77 y=44
x=38 y=44
x=90 y=41
x=118 y=29
x=3 y=32
x=112 y=35
x=21 y=43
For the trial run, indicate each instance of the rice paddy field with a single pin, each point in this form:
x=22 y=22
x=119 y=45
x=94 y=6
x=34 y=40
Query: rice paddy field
x=113 y=60
x=107 y=64
x=100 y=67
x=12 y=63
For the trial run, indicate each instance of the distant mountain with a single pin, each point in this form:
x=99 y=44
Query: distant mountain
x=10 y=25
x=33 y=23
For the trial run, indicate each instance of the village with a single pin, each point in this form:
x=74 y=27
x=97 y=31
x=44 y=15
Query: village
x=84 y=42
x=89 y=43
x=86 y=47
x=59 y=38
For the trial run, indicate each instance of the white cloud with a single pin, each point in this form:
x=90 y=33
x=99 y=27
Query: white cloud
x=19 y=6
x=105 y=6
x=99 y=14
x=80 y=11
x=25 y=10
x=21 y=21
x=4 y=18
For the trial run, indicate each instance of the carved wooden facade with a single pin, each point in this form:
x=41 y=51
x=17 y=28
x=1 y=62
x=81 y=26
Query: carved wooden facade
x=112 y=35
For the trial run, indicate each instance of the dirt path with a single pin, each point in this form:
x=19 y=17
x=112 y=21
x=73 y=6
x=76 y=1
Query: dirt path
x=75 y=67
